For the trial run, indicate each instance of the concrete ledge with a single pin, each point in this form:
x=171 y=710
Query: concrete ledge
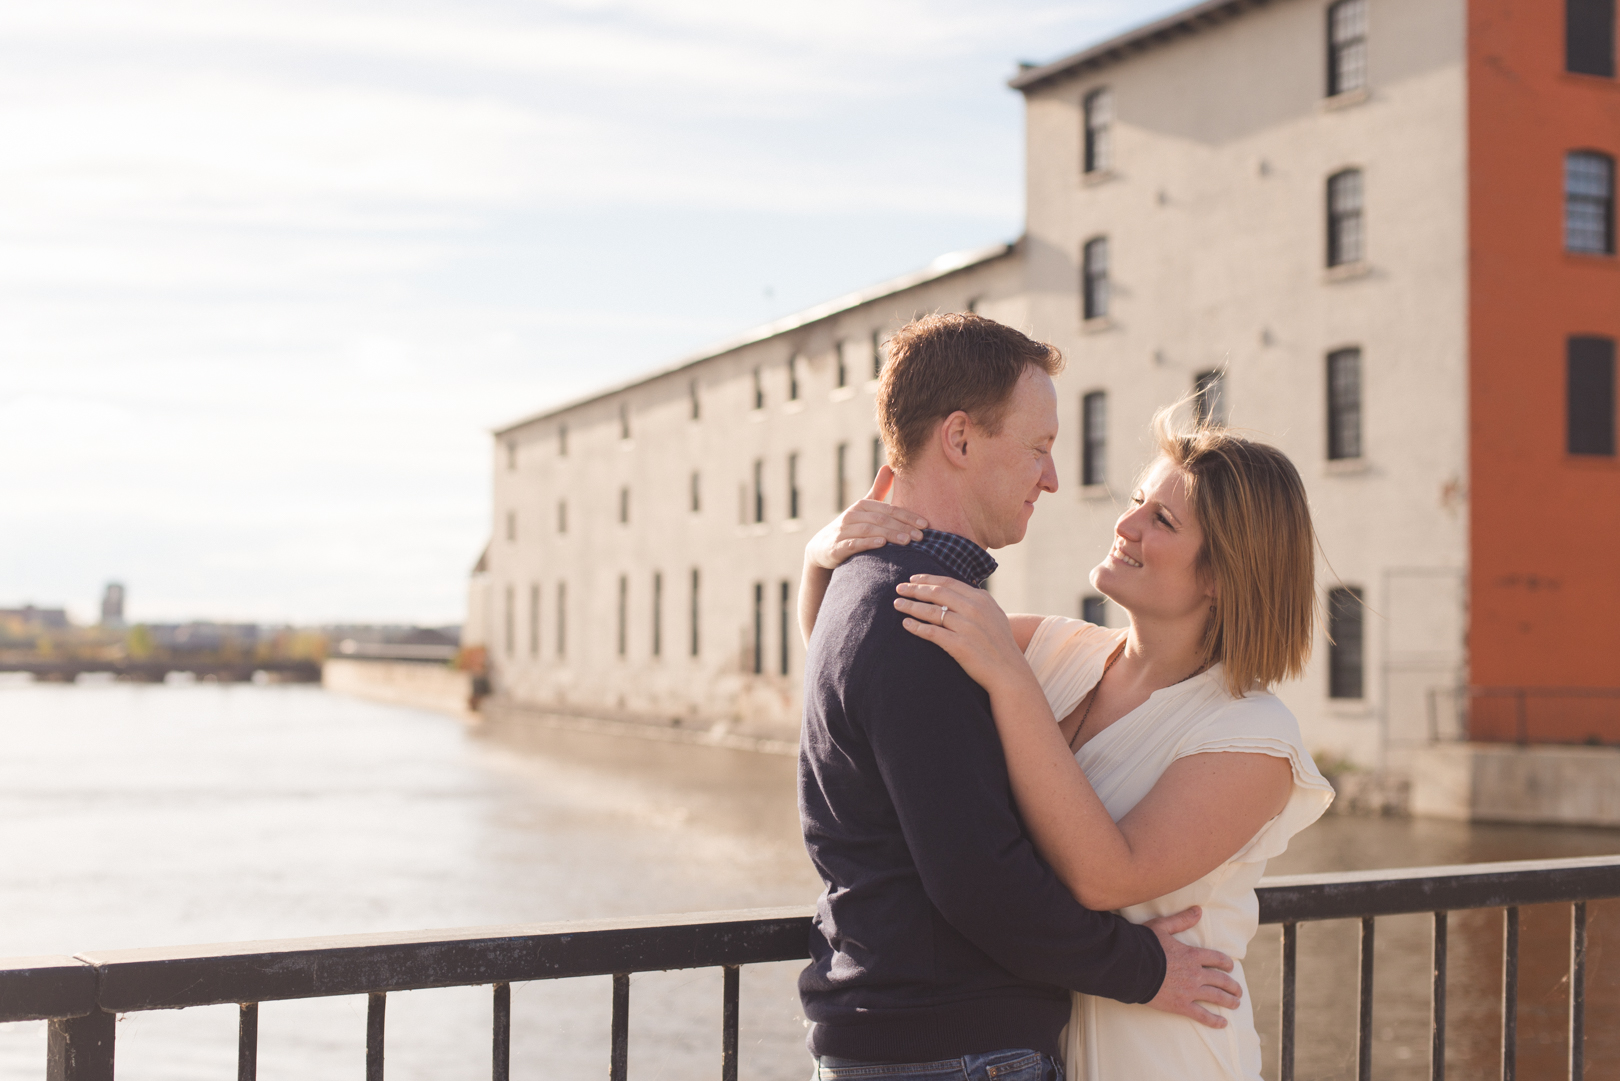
x=420 y=685
x=503 y=717
x=1497 y=782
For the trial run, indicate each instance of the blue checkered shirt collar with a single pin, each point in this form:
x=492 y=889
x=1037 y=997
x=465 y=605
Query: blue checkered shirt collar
x=959 y=555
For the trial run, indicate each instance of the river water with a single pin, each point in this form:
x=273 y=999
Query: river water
x=142 y=816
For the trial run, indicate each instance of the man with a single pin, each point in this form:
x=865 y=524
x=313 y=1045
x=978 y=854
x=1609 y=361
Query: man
x=943 y=946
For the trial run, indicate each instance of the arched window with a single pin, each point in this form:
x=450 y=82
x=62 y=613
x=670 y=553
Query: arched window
x=1347 y=46
x=1094 y=273
x=1098 y=108
x=1589 y=202
x=1345 y=243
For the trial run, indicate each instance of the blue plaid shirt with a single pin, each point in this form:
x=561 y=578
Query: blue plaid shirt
x=960 y=556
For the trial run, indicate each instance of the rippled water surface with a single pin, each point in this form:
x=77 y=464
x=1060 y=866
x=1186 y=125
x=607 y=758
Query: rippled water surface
x=139 y=816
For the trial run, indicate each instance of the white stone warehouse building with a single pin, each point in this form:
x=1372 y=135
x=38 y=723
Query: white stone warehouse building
x=1268 y=195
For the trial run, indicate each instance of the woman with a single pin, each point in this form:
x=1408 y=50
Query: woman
x=1152 y=766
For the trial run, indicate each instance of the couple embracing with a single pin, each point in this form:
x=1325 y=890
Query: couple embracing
x=1039 y=837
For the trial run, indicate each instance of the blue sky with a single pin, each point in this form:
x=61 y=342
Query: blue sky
x=269 y=272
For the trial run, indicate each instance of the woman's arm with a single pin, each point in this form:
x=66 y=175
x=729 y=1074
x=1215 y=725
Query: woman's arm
x=866 y=524
x=1202 y=810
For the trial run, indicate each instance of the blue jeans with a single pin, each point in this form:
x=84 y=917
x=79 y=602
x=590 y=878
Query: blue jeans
x=1014 y=1064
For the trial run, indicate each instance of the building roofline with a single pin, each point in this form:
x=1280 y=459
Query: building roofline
x=943 y=266
x=1180 y=24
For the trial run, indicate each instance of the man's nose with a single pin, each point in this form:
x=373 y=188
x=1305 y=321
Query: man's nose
x=1049 y=481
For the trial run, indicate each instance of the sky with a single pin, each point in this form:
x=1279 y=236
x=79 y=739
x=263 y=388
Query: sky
x=270 y=272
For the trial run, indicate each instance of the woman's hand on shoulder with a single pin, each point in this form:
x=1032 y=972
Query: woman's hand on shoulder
x=866 y=524
x=965 y=622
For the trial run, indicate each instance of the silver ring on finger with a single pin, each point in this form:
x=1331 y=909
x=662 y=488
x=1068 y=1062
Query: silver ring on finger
x=944 y=610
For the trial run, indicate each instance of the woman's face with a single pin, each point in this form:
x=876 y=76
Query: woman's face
x=1152 y=569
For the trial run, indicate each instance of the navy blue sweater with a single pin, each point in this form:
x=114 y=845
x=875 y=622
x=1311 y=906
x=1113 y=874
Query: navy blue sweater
x=940 y=932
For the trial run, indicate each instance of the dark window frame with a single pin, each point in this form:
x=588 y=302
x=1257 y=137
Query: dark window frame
x=658 y=614
x=1210 y=405
x=1097 y=113
x=1579 y=205
x=1346 y=47
x=1094 y=609
x=1347 y=659
x=1589 y=37
x=793 y=486
x=562 y=620
x=1346 y=223
x=759 y=628
x=841 y=478
x=784 y=630
x=1344 y=404
x=534 y=620
x=1094 y=438
x=793 y=377
x=695 y=611
x=624 y=615
x=1094 y=278
x=759 y=490
x=1589 y=394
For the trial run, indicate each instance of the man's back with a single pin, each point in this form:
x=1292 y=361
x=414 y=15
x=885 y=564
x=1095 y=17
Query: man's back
x=940 y=933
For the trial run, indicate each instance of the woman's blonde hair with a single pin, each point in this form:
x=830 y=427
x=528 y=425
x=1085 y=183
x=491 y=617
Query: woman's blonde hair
x=1259 y=550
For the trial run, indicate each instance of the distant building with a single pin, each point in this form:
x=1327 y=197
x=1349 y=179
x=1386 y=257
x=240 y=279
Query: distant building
x=30 y=618
x=112 y=605
x=1380 y=233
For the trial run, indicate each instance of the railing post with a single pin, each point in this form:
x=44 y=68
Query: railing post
x=728 y=1024
x=1437 y=1008
x=376 y=1004
x=1577 y=992
x=247 y=1042
x=619 y=1053
x=501 y=1037
x=1290 y=953
x=1365 y=1013
x=1510 y=994
x=81 y=1048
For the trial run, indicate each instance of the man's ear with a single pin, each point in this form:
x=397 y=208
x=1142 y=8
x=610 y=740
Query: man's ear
x=954 y=433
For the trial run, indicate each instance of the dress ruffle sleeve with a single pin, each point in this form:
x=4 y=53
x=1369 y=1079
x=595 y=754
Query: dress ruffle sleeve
x=1067 y=656
x=1261 y=724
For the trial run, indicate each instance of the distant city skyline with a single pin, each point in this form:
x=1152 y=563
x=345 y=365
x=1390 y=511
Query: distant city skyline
x=271 y=273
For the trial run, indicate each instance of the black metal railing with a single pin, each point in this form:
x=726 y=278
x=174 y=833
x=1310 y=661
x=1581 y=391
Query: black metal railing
x=81 y=996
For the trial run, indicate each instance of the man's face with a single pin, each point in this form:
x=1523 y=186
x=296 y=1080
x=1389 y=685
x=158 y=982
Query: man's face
x=1009 y=471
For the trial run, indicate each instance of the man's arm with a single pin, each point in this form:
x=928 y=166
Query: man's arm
x=935 y=743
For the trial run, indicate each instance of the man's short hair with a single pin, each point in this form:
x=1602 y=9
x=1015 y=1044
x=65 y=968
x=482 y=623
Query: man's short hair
x=943 y=363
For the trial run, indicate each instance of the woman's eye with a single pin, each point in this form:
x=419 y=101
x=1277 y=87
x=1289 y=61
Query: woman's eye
x=1165 y=520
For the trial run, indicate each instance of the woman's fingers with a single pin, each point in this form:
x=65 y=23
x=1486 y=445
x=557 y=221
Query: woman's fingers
x=881 y=484
x=928 y=613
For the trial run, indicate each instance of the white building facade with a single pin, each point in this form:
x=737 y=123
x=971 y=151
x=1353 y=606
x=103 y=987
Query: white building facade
x=1217 y=201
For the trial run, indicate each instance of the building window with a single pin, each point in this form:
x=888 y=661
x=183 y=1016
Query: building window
x=843 y=363
x=624 y=420
x=759 y=389
x=877 y=455
x=562 y=515
x=759 y=628
x=793 y=486
x=1094 y=273
x=1094 y=609
x=696 y=581
x=1589 y=202
x=1345 y=243
x=624 y=506
x=1094 y=438
x=511 y=454
x=759 y=489
x=534 y=620
x=1591 y=396
x=1209 y=399
x=697 y=503
x=509 y=624
x=1345 y=666
x=793 y=377
x=784 y=610
x=1589 y=37
x=1344 y=404
x=562 y=619
x=658 y=615
x=511 y=525
x=877 y=353
x=624 y=613
x=697 y=404
x=1347 y=46
x=562 y=440
x=1098 y=108
x=841 y=479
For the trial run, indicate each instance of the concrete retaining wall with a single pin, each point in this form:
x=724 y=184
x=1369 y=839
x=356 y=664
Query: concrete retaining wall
x=1481 y=782
x=435 y=687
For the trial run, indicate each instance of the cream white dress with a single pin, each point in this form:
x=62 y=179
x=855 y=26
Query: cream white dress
x=1113 y=1041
